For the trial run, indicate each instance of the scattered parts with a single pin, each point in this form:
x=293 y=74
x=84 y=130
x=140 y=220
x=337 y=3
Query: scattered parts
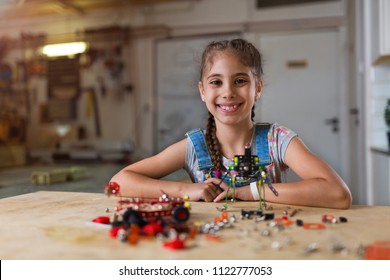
x=248 y=214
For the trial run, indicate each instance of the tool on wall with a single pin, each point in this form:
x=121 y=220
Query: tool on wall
x=92 y=108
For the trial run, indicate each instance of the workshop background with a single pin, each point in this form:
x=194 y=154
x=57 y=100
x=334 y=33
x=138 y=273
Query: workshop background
x=132 y=90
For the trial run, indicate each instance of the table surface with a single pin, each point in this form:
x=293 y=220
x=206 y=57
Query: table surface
x=56 y=225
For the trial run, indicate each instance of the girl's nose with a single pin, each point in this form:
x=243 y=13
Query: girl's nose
x=228 y=92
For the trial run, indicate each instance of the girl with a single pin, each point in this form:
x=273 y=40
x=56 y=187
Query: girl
x=230 y=83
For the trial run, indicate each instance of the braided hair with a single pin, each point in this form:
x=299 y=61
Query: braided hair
x=249 y=56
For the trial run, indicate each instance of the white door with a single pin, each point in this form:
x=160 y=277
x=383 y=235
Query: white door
x=302 y=88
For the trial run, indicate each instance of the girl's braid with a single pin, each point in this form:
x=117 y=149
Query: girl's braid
x=213 y=143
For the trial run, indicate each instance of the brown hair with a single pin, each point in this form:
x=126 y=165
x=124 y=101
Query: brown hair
x=249 y=56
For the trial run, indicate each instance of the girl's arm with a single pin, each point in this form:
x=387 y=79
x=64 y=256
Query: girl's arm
x=320 y=186
x=141 y=179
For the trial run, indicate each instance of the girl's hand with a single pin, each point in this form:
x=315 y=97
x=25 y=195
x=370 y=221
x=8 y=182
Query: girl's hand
x=206 y=191
x=242 y=193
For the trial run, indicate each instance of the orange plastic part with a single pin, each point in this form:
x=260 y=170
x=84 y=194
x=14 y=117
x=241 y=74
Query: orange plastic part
x=284 y=222
x=193 y=232
x=313 y=226
x=133 y=238
x=225 y=215
x=134 y=234
x=379 y=250
x=213 y=237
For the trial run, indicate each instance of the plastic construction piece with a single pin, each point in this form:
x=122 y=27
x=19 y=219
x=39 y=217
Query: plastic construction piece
x=379 y=250
x=283 y=221
x=114 y=231
x=343 y=220
x=327 y=218
x=112 y=188
x=102 y=220
x=213 y=237
x=175 y=244
x=267 y=180
x=153 y=229
x=134 y=234
x=313 y=226
x=248 y=214
x=225 y=215
x=294 y=212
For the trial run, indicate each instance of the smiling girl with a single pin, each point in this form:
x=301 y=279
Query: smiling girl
x=230 y=83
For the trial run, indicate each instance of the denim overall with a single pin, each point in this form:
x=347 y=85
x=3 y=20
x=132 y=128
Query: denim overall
x=204 y=158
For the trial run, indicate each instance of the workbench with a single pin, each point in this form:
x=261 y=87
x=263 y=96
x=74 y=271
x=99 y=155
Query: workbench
x=57 y=225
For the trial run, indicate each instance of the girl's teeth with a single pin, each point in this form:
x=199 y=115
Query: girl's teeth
x=229 y=108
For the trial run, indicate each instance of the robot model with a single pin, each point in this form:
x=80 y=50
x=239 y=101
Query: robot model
x=246 y=169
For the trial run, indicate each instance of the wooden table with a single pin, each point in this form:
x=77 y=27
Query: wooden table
x=54 y=225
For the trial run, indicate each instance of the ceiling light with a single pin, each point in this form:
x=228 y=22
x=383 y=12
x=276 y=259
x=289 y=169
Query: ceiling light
x=65 y=49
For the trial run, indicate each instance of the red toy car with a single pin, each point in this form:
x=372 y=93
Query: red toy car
x=143 y=211
x=152 y=209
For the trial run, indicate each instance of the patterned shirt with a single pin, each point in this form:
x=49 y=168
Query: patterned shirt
x=278 y=139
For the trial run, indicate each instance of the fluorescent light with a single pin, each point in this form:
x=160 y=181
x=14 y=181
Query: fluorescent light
x=64 y=49
x=62 y=129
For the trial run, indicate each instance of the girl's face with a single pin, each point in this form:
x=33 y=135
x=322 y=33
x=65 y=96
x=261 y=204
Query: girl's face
x=229 y=89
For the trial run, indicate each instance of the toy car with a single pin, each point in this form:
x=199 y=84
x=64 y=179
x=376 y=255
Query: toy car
x=154 y=209
x=143 y=211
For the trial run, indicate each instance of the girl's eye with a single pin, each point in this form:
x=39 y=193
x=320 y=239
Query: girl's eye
x=216 y=82
x=240 y=81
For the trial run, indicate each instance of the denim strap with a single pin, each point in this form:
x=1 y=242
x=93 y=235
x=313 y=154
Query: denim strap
x=262 y=149
x=202 y=153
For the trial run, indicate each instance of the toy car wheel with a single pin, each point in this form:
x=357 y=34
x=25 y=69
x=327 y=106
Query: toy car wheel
x=132 y=217
x=180 y=214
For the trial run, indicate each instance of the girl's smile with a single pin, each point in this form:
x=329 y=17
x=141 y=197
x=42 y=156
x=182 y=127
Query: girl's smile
x=229 y=108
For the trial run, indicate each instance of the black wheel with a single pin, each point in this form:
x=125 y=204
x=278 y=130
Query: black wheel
x=133 y=217
x=180 y=214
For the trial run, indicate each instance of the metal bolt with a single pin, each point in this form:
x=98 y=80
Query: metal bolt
x=266 y=232
x=276 y=245
x=312 y=247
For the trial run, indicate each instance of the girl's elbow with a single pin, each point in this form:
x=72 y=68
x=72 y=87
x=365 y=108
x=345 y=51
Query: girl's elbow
x=120 y=178
x=343 y=198
x=116 y=178
x=346 y=202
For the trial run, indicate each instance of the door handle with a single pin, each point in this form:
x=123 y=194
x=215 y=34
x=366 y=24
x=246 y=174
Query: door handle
x=334 y=122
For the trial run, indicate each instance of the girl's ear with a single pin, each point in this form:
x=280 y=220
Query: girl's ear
x=259 y=87
x=201 y=91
